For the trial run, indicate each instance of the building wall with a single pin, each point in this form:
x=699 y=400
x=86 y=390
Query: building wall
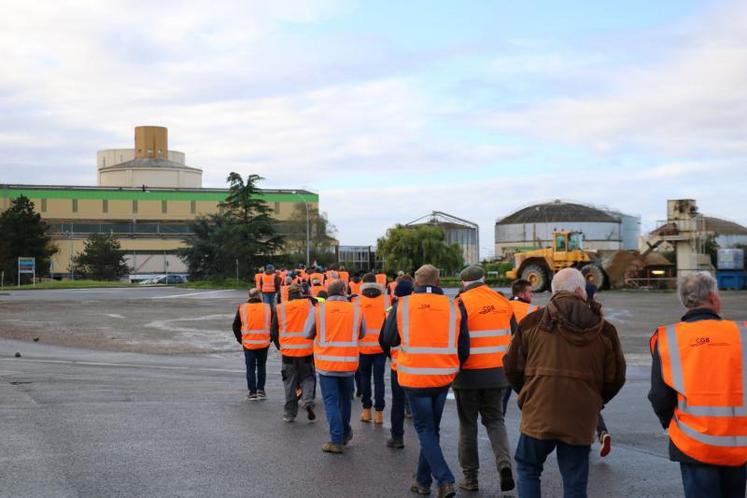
x=74 y=213
x=467 y=240
x=151 y=177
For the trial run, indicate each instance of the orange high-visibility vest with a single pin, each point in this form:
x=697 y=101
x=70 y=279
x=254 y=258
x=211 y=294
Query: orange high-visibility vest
x=338 y=325
x=522 y=309
x=268 y=283
x=489 y=323
x=316 y=289
x=428 y=326
x=392 y=286
x=381 y=279
x=292 y=319
x=284 y=294
x=318 y=276
x=255 y=325
x=344 y=276
x=706 y=363
x=258 y=280
x=374 y=311
x=355 y=287
x=283 y=275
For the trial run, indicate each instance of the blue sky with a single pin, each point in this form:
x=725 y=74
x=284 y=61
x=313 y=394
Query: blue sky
x=393 y=109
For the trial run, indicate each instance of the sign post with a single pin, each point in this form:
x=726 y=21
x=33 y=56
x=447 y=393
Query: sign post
x=27 y=265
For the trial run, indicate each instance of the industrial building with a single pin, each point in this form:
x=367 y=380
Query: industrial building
x=146 y=196
x=532 y=227
x=458 y=231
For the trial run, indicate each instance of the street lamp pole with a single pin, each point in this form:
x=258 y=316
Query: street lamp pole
x=308 y=228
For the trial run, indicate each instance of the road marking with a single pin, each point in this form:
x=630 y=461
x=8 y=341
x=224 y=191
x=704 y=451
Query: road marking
x=167 y=324
x=122 y=365
x=113 y=315
x=173 y=296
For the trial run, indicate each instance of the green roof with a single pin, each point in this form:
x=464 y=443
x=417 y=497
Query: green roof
x=217 y=195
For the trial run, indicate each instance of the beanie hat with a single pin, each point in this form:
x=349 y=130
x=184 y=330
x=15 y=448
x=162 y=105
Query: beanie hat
x=404 y=288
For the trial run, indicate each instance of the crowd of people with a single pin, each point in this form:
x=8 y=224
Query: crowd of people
x=564 y=361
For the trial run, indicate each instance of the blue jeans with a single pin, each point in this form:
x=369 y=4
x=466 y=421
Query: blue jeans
x=426 y=414
x=713 y=481
x=337 y=393
x=255 y=360
x=269 y=297
x=398 y=408
x=573 y=461
x=375 y=362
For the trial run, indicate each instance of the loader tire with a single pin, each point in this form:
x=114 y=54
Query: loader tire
x=537 y=276
x=595 y=275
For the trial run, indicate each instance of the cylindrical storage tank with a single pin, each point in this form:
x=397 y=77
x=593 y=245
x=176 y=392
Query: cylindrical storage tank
x=532 y=227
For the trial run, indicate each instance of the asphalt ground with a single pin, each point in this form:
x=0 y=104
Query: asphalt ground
x=102 y=421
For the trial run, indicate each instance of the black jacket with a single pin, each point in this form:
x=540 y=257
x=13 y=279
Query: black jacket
x=389 y=338
x=662 y=397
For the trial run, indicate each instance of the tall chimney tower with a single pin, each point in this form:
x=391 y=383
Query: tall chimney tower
x=151 y=142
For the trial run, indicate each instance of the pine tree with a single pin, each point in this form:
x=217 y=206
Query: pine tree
x=102 y=258
x=24 y=234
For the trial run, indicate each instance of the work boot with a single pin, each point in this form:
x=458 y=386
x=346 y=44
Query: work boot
x=379 y=417
x=446 y=491
x=469 y=483
x=606 y=441
x=366 y=415
x=332 y=448
x=419 y=489
x=507 y=479
x=310 y=413
x=288 y=419
x=252 y=397
x=261 y=395
x=395 y=443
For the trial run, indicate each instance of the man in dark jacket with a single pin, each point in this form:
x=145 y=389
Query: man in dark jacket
x=255 y=359
x=296 y=371
x=427 y=403
x=698 y=293
x=565 y=362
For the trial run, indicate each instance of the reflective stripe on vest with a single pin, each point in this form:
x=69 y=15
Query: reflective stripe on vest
x=255 y=338
x=711 y=413
x=426 y=366
x=337 y=355
x=284 y=293
x=291 y=338
x=268 y=283
x=374 y=311
x=393 y=357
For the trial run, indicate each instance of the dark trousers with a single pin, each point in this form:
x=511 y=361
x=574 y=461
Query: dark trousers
x=298 y=372
x=372 y=363
x=398 y=408
x=255 y=360
x=426 y=413
x=713 y=481
x=337 y=393
x=601 y=426
x=573 y=461
x=487 y=403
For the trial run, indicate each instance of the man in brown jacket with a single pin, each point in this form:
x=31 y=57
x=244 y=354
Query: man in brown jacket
x=565 y=362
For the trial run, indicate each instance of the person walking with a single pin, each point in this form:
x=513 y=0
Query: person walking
x=373 y=303
x=434 y=341
x=270 y=285
x=297 y=352
x=251 y=327
x=481 y=385
x=699 y=391
x=337 y=327
x=399 y=404
x=565 y=362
